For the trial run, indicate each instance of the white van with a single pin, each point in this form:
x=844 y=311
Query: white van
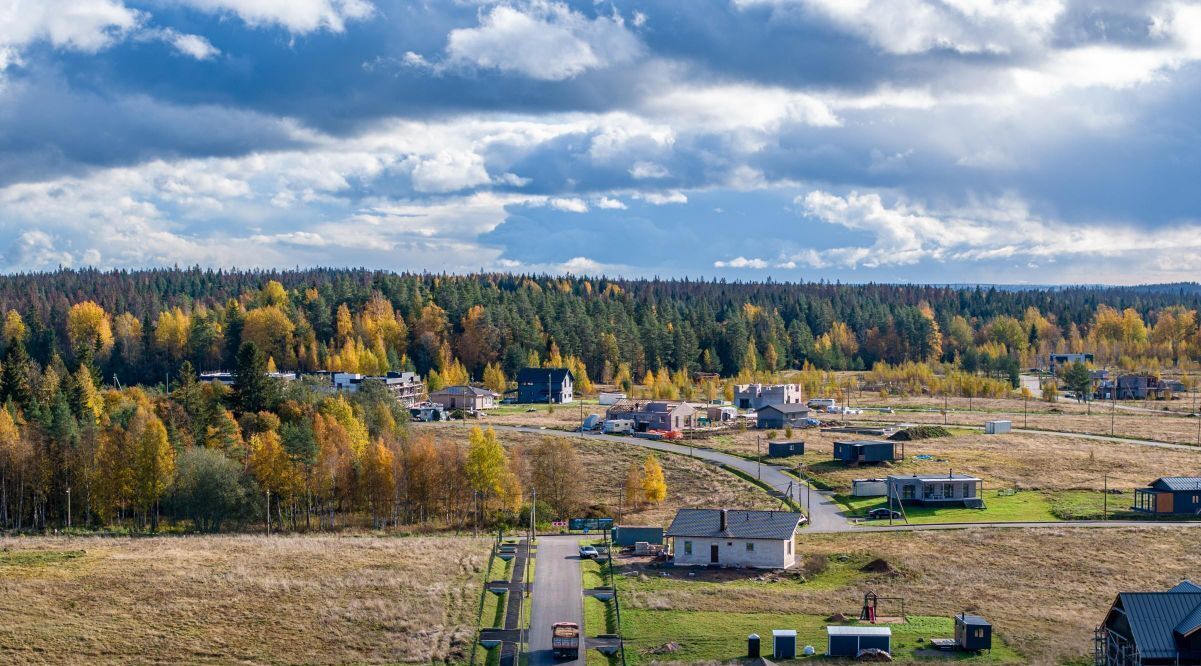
x=617 y=426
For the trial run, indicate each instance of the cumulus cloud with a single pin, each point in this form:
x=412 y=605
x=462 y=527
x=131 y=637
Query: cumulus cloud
x=906 y=233
x=79 y=25
x=297 y=16
x=448 y=171
x=569 y=204
x=609 y=203
x=541 y=40
x=741 y=262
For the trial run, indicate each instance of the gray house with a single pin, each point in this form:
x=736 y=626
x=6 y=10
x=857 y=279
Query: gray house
x=465 y=397
x=779 y=416
x=756 y=396
x=544 y=385
x=1151 y=628
x=654 y=414
x=857 y=452
x=937 y=489
x=734 y=538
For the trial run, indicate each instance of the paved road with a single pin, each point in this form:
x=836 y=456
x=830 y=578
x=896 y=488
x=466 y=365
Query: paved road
x=824 y=514
x=557 y=596
x=1064 y=523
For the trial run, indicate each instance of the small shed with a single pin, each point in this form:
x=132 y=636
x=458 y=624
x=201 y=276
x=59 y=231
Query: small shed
x=628 y=535
x=785 y=449
x=864 y=451
x=997 y=427
x=869 y=487
x=972 y=633
x=848 y=641
x=783 y=643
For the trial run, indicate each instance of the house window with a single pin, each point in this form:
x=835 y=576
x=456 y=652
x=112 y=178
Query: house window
x=790 y=547
x=1196 y=499
x=928 y=491
x=948 y=490
x=687 y=547
x=750 y=547
x=978 y=633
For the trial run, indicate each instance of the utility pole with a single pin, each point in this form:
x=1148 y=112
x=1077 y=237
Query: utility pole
x=68 y=506
x=1025 y=403
x=533 y=516
x=1113 y=411
x=758 y=459
x=268 y=512
x=945 y=392
x=1105 y=500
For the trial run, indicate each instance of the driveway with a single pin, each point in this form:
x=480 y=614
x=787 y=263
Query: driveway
x=557 y=596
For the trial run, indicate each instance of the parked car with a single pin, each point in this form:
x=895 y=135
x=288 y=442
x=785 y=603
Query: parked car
x=877 y=514
x=587 y=553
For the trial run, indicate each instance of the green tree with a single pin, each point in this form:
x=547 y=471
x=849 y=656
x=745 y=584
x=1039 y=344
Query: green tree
x=209 y=489
x=251 y=384
x=1078 y=379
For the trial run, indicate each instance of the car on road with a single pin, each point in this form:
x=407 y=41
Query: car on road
x=588 y=553
x=877 y=514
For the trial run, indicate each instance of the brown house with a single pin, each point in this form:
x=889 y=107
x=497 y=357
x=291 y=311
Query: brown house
x=469 y=398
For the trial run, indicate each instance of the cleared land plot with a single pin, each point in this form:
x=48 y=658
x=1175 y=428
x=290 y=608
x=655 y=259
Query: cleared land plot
x=1044 y=590
x=690 y=482
x=1054 y=476
x=221 y=599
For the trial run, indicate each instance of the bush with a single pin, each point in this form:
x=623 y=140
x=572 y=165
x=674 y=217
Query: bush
x=920 y=432
x=210 y=489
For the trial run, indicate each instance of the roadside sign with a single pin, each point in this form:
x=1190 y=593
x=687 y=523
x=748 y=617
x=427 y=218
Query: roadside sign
x=582 y=524
x=562 y=524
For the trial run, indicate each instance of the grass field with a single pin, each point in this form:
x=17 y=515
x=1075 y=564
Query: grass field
x=1025 y=506
x=223 y=599
x=1044 y=590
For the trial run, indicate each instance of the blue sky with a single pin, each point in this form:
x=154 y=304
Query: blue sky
x=1006 y=141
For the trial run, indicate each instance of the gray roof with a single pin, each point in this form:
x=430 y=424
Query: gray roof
x=541 y=375
x=740 y=524
x=1154 y=616
x=965 y=618
x=934 y=477
x=866 y=442
x=1178 y=483
x=787 y=408
x=463 y=390
x=857 y=630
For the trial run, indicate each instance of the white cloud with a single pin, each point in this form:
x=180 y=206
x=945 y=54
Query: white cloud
x=907 y=233
x=741 y=262
x=662 y=198
x=569 y=204
x=448 y=171
x=193 y=45
x=79 y=25
x=643 y=170
x=546 y=41
x=609 y=203
x=296 y=16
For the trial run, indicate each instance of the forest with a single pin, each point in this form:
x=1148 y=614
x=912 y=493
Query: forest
x=105 y=423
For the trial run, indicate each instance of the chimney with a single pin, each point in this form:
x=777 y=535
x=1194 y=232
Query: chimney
x=723 y=520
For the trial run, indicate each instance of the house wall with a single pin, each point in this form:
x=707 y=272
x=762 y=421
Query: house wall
x=768 y=553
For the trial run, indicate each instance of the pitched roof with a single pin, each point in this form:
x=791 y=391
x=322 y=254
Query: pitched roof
x=1154 y=616
x=788 y=408
x=1178 y=483
x=1186 y=586
x=535 y=375
x=740 y=524
x=965 y=618
x=1191 y=623
x=463 y=390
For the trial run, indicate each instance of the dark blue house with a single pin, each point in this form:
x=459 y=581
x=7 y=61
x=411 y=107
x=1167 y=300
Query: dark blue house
x=1170 y=494
x=1151 y=628
x=863 y=452
x=545 y=385
x=972 y=633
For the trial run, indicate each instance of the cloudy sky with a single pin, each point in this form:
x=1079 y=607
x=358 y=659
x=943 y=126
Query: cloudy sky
x=1005 y=141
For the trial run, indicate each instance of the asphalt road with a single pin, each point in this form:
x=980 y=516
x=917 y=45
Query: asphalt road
x=557 y=596
x=824 y=514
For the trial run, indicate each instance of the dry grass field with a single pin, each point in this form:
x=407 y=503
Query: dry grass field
x=1026 y=461
x=1044 y=590
x=690 y=482
x=239 y=599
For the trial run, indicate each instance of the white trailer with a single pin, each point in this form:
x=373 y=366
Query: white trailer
x=997 y=427
x=617 y=426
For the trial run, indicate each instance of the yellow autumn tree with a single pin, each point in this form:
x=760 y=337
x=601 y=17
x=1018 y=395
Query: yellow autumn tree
x=654 y=485
x=89 y=328
x=494 y=378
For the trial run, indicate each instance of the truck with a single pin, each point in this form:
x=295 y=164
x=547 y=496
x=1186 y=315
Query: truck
x=565 y=640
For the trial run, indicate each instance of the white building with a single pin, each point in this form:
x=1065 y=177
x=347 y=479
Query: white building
x=754 y=396
x=406 y=386
x=733 y=538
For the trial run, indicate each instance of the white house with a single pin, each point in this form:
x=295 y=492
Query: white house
x=733 y=538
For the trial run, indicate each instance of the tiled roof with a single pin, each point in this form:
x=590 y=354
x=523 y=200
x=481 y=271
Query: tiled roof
x=740 y=524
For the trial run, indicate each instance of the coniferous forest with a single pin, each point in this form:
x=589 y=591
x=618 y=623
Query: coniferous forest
x=104 y=422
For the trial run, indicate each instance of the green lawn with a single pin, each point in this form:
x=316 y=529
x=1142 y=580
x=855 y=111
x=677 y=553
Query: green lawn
x=1024 y=506
x=713 y=636
x=814 y=573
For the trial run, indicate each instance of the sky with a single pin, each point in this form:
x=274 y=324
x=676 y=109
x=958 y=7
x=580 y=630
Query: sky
x=943 y=141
